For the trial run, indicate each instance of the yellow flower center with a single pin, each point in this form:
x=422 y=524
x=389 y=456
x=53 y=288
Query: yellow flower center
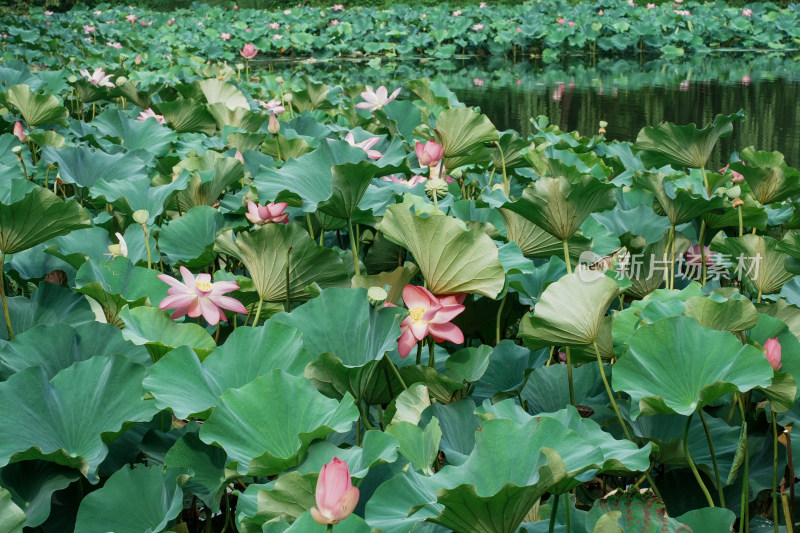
x=204 y=286
x=416 y=313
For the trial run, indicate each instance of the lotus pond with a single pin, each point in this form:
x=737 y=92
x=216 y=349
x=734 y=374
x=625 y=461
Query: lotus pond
x=237 y=299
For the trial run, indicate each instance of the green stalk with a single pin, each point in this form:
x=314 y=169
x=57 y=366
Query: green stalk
x=569 y=513
x=610 y=394
x=741 y=221
x=330 y=528
x=310 y=227
x=3 y=296
x=499 y=313
x=288 y=286
x=671 y=249
x=693 y=468
x=431 y=352
x=364 y=416
x=713 y=458
x=503 y=162
x=147 y=245
x=353 y=246
x=775 y=518
x=745 y=503
x=258 y=313
x=787 y=513
x=569 y=374
x=701 y=240
x=390 y=364
x=553 y=513
x=566 y=257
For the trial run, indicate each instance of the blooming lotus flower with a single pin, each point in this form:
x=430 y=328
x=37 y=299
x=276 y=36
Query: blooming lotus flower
x=477 y=27
x=650 y=6
x=199 y=296
x=562 y=21
x=414 y=180
x=225 y=36
x=376 y=99
x=248 y=51
x=336 y=496
x=457 y=13
x=271 y=213
x=131 y=18
x=694 y=255
x=600 y=12
x=287 y=11
x=98 y=12
x=737 y=177
x=338 y=7
x=19 y=132
x=335 y=22
x=88 y=29
x=773 y=348
x=747 y=12
x=365 y=145
x=427 y=315
x=149 y=113
x=98 y=77
x=429 y=154
x=277 y=37
x=437 y=171
x=571 y=23
x=482 y=5
x=116 y=45
x=273 y=106
x=274 y=25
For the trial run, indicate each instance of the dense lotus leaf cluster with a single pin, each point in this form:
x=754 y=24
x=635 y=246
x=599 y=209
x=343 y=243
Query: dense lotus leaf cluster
x=629 y=314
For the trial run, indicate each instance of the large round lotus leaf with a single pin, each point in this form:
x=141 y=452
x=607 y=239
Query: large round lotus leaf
x=678 y=366
x=187 y=115
x=755 y=260
x=682 y=146
x=11 y=516
x=458 y=423
x=64 y=419
x=37 y=109
x=727 y=311
x=546 y=389
x=505 y=374
x=179 y=380
x=680 y=205
x=55 y=347
x=462 y=133
x=269 y=251
x=306 y=524
x=710 y=519
x=159 y=333
x=189 y=240
x=217 y=91
x=377 y=447
x=48 y=304
x=560 y=205
x=240 y=117
x=206 y=466
x=87 y=167
x=638 y=221
x=266 y=426
x=570 y=311
x=147 y=135
x=211 y=176
x=36 y=217
x=32 y=484
x=641 y=512
x=533 y=241
x=768 y=176
x=647 y=271
x=132 y=501
x=451 y=258
x=131 y=195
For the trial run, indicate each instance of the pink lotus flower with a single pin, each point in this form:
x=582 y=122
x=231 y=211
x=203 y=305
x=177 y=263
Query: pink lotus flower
x=693 y=255
x=338 y=7
x=149 y=113
x=684 y=85
x=274 y=25
x=477 y=27
x=336 y=496
x=115 y=45
x=239 y=157
x=600 y=13
x=271 y=213
x=428 y=315
x=773 y=348
x=745 y=79
x=48 y=13
x=376 y=99
x=519 y=30
x=365 y=145
x=650 y=6
x=19 y=132
x=89 y=29
x=273 y=106
x=169 y=22
x=88 y=40
x=737 y=178
x=274 y=127
x=571 y=23
x=747 y=12
x=131 y=18
x=98 y=12
x=482 y=5
x=225 y=36
x=457 y=13
x=248 y=51
x=437 y=171
x=277 y=37
x=199 y=296
x=415 y=180
x=335 y=22
x=287 y=11
x=562 y=21
x=429 y=154
x=98 y=77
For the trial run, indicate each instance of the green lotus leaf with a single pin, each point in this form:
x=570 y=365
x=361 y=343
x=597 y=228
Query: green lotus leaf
x=188 y=116
x=443 y=388
x=680 y=205
x=727 y=311
x=768 y=176
x=702 y=365
x=314 y=96
x=640 y=512
x=504 y=376
x=87 y=167
x=560 y=205
x=179 y=380
x=132 y=501
x=240 y=118
x=661 y=303
x=266 y=426
x=376 y=448
x=683 y=146
x=71 y=411
x=463 y=132
x=711 y=519
x=245 y=141
x=753 y=215
x=647 y=269
x=570 y=311
x=38 y=216
x=756 y=261
x=396 y=280
x=629 y=223
x=49 y=303
x=155 y=330
x=288 y=149
x=468 y=364
x=89 y=93
x=306 y=524
x=54 y=347
x=130 y=90
x=420 y=447
x=536 y=242
x=291 y=495
x=409 y=405
x=12 y=518
x=48 y=138
x=37 y=109
x=205 y=465
x=218 y=91
x=545 y=390
x=790 y=245
x=451 y=259
x=133 y=134
x=459 y=423
x=32 y=484
x=269 y=251
x=211 y=176
x=189 y=240
x=136 y=194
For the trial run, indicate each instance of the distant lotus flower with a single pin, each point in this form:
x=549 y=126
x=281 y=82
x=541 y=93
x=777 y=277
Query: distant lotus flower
x=519 y=30
x=338 y=7
x=600 y=12
x=773 y=348
x=376 y=99
x=747 y=12
x=89 y=29
x=236 y=8
x=429 y=154
x=482 y=5
x=248 y=30
x=477 y=27
x=335 y=495
x=199 y=296
x=287 y=11
x=169 y=22
x=693 y=255
x=48 y=13
x=274 y=25
x=274 y=106
x=414 y=180
x=88 y=40
x=19 y=132
x=427 y=315
x=131 y=18
x=248 y=51
x=683 y=12
x=745 y=79
x=277 y=37
x=98 y=12
x=274 y=127
x=271 y=213
x=571 y=23
x=149 y=113
x=684 y=86
x=737 y=178
x=115 y=45
x=98 y=77
x=225 y=36
x=335 y=22
x=365 y=145
x=457 y=13
x=562 y=21
x=650 y=6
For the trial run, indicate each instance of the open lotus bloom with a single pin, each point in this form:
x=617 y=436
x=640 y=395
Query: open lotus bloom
x=376 y=99
x=98 y=77
x=149 y=113
x=365 y=145
x=248 y=51
x=199 y=296
x=773 y=348
x=271 y=213
x=335 y=495
x=428 y=315
x=429 y=154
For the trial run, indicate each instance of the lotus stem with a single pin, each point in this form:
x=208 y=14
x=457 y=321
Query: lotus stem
x=330 y=528
x=788 y=432
x=701 y=242
x=431 y=353
x=354 y=246
x=147 y=245
x=503 y=163
x=568 y=506
x=22 y=162
x=499 y=313
x=671 y=252
x=3 y=296
x=419 y=353
x=566 y=257
x=741 y=222
x=775 y=518
x=396 y=373
x=705 y=180
x=310 y=227
x=610 y=394
x=745 y=503
x=258 y=313
x=364 y=415
x=713 y=458
x=569 y=374
x=288 y=286
x=693 y=468
x=787 y=513
x=553 y=513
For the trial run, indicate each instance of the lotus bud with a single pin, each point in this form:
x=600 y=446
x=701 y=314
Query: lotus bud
x=734 y=192
x=137 y=61
x=19 y=132
x=436 y=186
x=376 y=296
x=737 y=202
x=773 y=348
x=141 y=216
x=274 y=126
x=336 y=497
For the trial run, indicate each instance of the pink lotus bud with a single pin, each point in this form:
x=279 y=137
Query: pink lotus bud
x=19 y=133
x=249 y=51
x=336 y=496
x=429 y=153
x=274 y=126
x=773 y=348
